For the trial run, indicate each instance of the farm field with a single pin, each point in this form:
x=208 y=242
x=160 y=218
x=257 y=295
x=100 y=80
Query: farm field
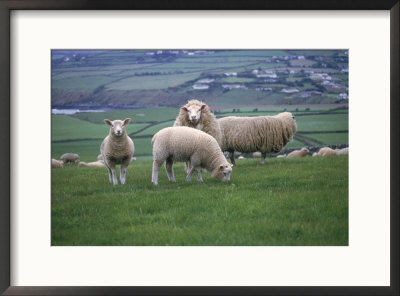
x=82 y=133
x=156 y=78
x=287 y=202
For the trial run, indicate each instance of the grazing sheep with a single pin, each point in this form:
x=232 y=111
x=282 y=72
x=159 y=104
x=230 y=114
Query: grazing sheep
x=185 y=144
x=326 y=151
x=257 y=154
x=117 y=149
x=260 y=133
x=241 y=157
x=97 y=164
x=68 y=158
x=298 y=153
x=281 y=156
x=344 y=151
x=56 y=163
x=197 y=115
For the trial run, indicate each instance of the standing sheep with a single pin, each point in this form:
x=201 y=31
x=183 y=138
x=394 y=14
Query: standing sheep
x=68 y=158
x=185 y=144
x=298 y=153
x=196 y=114
x=117 y=149
x=260 y=133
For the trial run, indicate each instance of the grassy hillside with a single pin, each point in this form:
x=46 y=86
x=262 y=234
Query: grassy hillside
x=287 y=202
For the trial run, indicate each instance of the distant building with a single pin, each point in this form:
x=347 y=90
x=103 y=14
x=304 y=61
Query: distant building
x=201 y=86
x=343 y=96
x=230 y=74
x=233 y=86
x=263 y=89
x=301 y=57
x=206 y=80
x=289 y=90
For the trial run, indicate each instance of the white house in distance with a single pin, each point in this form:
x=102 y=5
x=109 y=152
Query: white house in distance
x=289 y=90
x=230 y=74
x=343 y=96
x=199 y=86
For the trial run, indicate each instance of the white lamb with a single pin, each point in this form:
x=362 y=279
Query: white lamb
x=56 y=163
x=117 y=149
x=95 y=164
x=69 y=158
x=260 y=133
x=298 y=153
x=184 y=144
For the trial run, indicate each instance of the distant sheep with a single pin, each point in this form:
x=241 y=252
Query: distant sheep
x=183 y=144
x=260 y=133
x=281 y=156
x=97 y=164
x=344 y=151
x=326 y=151
x=298 y=153
x=56 y=163
x=68 y=158
x=117 y=149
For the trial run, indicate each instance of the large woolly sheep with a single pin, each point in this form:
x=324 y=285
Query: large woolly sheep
x=260 y=133
x=344 y=151
x=298 y=153
x=196 y=114
x=183 y=144
x=68 y=158
x=56 y=163
x=117 y=149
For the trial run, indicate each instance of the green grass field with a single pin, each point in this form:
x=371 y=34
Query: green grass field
x=287 y=202
x=80 y=133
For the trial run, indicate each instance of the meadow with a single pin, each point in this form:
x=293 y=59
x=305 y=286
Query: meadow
x=287 y=202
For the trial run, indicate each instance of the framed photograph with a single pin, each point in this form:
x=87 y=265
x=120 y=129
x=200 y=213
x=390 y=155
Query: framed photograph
x=121 y=120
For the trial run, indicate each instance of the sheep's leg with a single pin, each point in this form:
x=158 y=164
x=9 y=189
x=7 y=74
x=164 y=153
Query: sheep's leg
x=199 y=177
x=187 y=167
x=170 y=170
x=122 y=174
x=109 y=172
x=154 y=175
x=263 y=155
x=189 y=175
x=231 y=156
x=114 y=175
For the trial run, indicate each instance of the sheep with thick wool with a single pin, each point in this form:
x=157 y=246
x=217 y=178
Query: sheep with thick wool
x=184 y=144
x=117 y=149
x=196 y=114
x=303 y=152
x=261 y=133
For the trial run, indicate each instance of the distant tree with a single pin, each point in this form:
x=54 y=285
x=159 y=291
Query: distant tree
x=255 y=110
x=233 y=110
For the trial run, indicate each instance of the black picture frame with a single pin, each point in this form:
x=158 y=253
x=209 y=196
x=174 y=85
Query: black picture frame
x=7 y=6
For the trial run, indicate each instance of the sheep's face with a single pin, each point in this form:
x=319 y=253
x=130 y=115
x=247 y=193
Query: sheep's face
x=117 y=127
x=193 y=112
x=224 y=172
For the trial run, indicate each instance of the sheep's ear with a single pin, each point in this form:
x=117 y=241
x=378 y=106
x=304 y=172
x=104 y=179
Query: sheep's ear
x=108 y=122
x=126 y=121
x=184 y=109
x=202 y=107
